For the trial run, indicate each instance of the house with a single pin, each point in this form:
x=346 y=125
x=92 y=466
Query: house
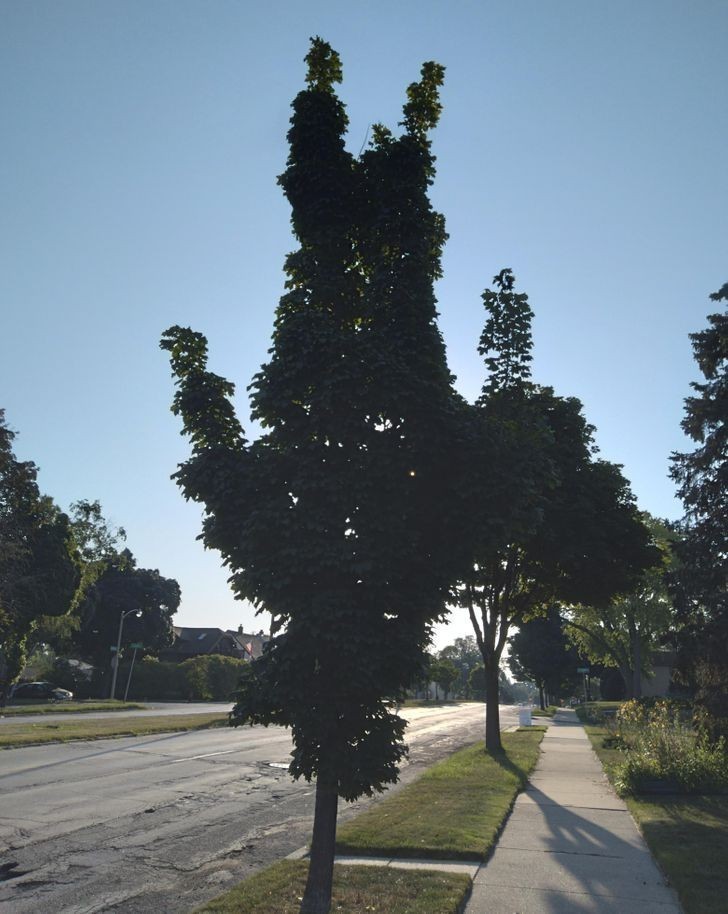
x=660 y=681
x=195 y=642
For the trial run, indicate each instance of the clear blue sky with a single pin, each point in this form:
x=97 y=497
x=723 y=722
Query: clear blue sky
x=583 y=144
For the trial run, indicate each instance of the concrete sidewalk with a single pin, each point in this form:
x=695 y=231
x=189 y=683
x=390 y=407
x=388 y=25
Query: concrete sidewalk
x=570 y=846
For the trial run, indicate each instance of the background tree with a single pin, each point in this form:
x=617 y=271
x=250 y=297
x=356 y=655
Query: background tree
x=623 y=632
x=547 y=521
x=39 y=568
x=541 y=653
x=120 y=587
x=97 y=542
x=464 y=653
x=444 y=674
x=702 y=479
x=96 y=538
x=333 y=520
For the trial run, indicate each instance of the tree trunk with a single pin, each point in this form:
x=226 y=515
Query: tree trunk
x=317 y=896
x=541 y=698
x=492 y=713
x=628 y=677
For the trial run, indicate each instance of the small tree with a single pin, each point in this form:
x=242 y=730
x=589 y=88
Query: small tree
x=336 y=520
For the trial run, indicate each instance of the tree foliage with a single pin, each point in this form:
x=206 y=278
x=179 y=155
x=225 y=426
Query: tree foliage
x=623 y=632
x=464 y=653
x=39 y=565
x=332 y=520
x=700 y=580
x=96 y=542
x=445 y=674
x=540 y=652
x=119 y=586
x=548 y=521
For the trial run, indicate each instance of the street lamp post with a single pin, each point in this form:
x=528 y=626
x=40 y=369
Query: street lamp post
x=129 y=612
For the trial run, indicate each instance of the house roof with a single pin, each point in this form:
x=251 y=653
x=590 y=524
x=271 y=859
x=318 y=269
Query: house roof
x=197 y=640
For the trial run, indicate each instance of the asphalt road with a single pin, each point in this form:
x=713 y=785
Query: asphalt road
x=163 y=823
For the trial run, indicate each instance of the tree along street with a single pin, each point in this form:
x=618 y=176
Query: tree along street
x=163 y=823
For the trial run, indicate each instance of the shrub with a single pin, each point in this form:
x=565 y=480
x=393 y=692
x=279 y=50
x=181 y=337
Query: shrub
x=661 y=746
x=211 y=677
x=152 y=679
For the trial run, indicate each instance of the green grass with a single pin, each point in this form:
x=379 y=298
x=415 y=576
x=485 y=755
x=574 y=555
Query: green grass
x=549 y=712
x=357 y=890
x=14 y=735
x=28 y=706
x=688 y=836
x=454 y=811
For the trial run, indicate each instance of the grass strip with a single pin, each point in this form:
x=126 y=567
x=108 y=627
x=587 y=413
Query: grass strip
x=687 y=835
x=454 y=811
x=77 y=707
x=357 y=889
x=549 y=711
x=13 y=736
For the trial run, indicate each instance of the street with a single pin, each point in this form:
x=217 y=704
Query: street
x=163 y=823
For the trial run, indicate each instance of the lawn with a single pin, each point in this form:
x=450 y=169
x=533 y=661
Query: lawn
x=548 y=712
x=14 y=735
x=688 y=836
x=60 y=707
x=357 y=890
x=454 y=811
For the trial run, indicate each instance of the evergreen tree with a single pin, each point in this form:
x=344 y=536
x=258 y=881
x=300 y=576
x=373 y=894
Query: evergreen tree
x=702 y=477
x=333 y=520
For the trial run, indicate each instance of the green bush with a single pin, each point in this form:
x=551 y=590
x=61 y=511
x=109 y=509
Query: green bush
x=662 y=747
x=211 y=677
x=152 y=679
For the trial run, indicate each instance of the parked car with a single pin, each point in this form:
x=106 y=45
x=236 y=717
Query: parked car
x=43 y=690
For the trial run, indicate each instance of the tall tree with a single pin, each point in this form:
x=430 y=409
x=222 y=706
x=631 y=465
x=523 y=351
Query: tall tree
x=333 y=520
x=624 y=631
x=39 y=567
x=548 y=522
x=541 y=653
x=701 y=580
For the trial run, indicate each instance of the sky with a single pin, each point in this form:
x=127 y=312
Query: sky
x=582 y=144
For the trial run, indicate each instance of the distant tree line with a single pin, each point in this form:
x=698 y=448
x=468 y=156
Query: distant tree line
x=65 y=580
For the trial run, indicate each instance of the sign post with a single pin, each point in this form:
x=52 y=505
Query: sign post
x=131 y=668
